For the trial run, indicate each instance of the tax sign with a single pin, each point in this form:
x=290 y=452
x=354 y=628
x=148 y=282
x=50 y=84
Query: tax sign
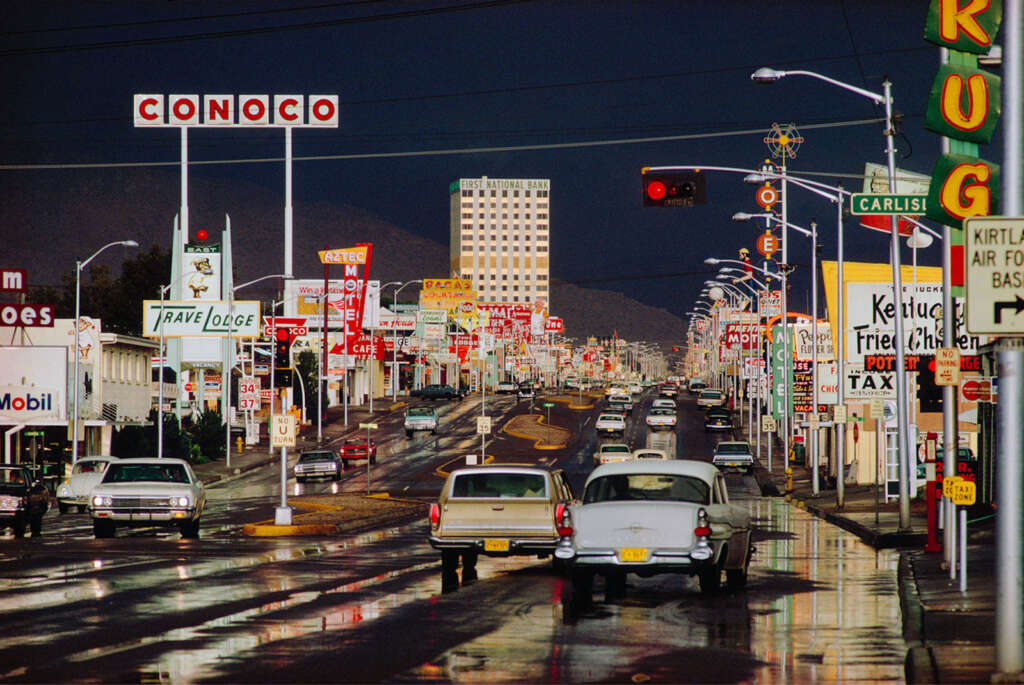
x=741 y=336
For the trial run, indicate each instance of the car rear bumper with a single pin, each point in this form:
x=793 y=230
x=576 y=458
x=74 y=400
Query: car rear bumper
x=658 y=561
x=516 y=546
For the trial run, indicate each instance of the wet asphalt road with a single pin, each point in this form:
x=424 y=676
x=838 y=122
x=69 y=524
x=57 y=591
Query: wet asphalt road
x=148 y=605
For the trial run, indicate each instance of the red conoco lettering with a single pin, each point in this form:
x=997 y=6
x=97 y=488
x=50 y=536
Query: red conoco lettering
x=218 y=110
x=183 y=109
x=286 y=109
x=145 y=109
x=323 y=110
x=253 y=109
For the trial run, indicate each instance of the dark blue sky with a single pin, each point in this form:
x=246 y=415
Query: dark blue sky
x=435 y=75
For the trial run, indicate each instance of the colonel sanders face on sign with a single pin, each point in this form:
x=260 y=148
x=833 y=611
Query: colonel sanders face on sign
x=202 y=265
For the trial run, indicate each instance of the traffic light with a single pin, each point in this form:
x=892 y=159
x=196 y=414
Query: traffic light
x=282 y=348
x=929 y=394
x=673 y=188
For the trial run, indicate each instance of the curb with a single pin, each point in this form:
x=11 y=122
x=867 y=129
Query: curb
x=870 y=536
x=537 y=441
x=919 y=664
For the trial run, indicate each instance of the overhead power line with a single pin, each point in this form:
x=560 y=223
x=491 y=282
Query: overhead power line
x=436 y=152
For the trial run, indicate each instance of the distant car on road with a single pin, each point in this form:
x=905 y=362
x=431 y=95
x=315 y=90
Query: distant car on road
x=711 y=397
x=147 y=492
x=717 y=419
x=420 y=419
x=733 y=455
x=625 y=400
x=23 y=500
x=359 y=448
x=527 y=390
x=85 y=474
x=437 y=392
x=695 y=385
x=612 y=451
x=645 y=453
x=610 y=423
x=313 y=464
x=668 y=390
x=659 y=418
x=663 y=403
x=506 y=388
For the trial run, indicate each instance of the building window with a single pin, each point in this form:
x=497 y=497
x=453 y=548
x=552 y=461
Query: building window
x=542 y=277
x=542 y=248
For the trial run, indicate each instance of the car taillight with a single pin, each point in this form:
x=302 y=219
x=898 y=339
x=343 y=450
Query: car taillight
x=563 y=520
x=702 y=531
x=435 y=515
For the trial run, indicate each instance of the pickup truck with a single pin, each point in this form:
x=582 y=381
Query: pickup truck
x=497 y=510
x=420 y=419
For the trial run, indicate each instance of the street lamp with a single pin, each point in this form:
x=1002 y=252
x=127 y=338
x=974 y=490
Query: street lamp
x=394 y=346
x=769 y=75
x=78 y=305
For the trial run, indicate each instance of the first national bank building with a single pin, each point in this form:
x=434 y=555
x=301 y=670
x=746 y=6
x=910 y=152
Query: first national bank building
x=500 y=237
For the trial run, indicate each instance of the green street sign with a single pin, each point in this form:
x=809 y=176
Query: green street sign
x=869 y=203
x=549 y=404
x=34 y=434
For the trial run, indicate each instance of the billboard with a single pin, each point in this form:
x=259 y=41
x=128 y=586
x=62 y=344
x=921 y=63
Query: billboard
x=303 y=298
x=447 y=294
x=33 y=385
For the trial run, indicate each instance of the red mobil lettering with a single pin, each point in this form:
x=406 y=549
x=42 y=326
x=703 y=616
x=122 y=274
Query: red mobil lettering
x=323 y=110
x=287 y=109
x=254 y=110
x=149 y=110
x=184 y=110
x=219 y=110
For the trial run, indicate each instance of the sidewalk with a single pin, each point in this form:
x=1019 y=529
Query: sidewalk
x=950 y=635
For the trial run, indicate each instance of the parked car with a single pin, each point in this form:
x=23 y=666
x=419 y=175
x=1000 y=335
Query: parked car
x=610 y=423
x=661 y=419
x=85 y=474
x=612 y=451
x=695 y=385
x=359 y=448
x=663 y=403
x=506 y=387
x=147 y=492
x=717 y=419
x=23 y=500
x=650 y=517
x=420 y=419
x=437 y=392
x=625 y=400
x=645 y=453
x=711 y=397
x=733 y=455
x=314 y=464
x=497 y=510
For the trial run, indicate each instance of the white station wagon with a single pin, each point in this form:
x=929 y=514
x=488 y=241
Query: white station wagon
x=651 y=517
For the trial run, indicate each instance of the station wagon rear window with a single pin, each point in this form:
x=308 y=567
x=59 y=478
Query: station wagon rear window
x=643 y=486
x=499 y=485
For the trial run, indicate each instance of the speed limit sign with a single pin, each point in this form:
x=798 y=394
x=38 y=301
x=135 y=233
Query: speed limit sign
x=767 y=196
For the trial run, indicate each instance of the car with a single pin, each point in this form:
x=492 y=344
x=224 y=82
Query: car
x=527 y=391
x=733 y=455
x=635 y=388
x=652 y=517
x=717 y=419
x=612 y=451
x=437 y=392
x=659 y=418
x=497 y=510
x=359 y=448
x=85 y=474
x=608 y=422
x=695 y=385
x=711 y=397
x=143 y=491
x=645 y=453
x=420 y=419
x=663 y=403
x=506 y=387
x=616 y=408
x=616 y=388
x=668 y=390
x=23 y=500
x=625 y=400
x=319 y=463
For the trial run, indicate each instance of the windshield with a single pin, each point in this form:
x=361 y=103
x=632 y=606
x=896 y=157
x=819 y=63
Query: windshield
x=642 y=486
x=146 y=473
x=712 y=394
x=307 y=457
x=89 y=467
x=660 y=411
x=732 y=448
x=15 y=476
x=609 y=417
x=614 y=448
x=499 y=485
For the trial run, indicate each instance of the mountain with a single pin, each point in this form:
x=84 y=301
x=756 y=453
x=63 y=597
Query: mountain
x=52 y=218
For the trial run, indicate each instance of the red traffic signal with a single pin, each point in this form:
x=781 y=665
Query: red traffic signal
x=673 y=188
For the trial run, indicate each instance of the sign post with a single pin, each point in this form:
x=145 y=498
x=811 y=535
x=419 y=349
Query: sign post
x=368 y=427
x=282 y=434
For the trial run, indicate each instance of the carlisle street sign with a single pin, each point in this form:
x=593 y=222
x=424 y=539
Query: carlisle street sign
x=869 y=203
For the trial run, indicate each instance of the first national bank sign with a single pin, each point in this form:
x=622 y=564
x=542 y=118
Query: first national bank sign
x=309 y=111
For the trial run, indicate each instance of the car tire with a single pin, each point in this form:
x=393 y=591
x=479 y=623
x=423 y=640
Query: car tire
x=582 y=587
x=710 y=580
x=36 y=524
x=408 y=434
x=614 y=585
x=63 y=507
x=19 y=528
x=190 y=530
x=103 y=529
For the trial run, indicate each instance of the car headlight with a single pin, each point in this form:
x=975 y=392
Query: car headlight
x=101 y=501
x=180 y=501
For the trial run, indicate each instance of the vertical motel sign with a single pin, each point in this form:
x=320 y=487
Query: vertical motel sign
x=964 y=105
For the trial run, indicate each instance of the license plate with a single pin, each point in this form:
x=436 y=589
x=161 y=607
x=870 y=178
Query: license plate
x=495 y=545
x=633 y=554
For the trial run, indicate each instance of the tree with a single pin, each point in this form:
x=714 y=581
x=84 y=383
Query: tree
x=307 y=366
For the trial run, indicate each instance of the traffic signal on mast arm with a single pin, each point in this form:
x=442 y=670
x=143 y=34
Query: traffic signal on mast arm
x=282 y=348
x=929 y=394
x=673 y=188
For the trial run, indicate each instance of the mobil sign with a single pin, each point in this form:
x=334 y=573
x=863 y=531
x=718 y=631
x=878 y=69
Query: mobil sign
x=741 y=336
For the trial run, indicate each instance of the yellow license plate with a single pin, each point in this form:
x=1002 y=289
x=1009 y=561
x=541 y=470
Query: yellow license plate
x=495 y=545
x=633 y=554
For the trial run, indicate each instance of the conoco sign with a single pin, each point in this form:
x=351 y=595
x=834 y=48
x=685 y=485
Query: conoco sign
x=235 y=110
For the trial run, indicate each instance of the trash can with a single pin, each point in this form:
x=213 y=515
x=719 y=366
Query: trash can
x=799 y=453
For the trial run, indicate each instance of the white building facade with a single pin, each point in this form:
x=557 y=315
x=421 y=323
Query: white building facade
x=500 y=237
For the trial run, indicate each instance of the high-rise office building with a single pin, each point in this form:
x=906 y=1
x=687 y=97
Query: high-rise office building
x=500 y=237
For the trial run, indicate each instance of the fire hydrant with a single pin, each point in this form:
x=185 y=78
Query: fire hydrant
x=789 y=479
x=238 y=444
